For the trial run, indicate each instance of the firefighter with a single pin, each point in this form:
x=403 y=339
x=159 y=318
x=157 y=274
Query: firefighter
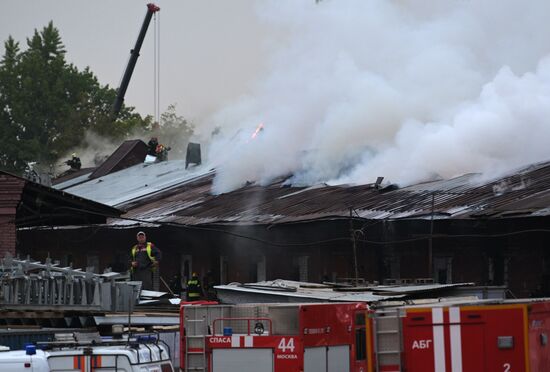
x=175 y=285
x=74 y=162
x=194 y=288
x=152 y=144
x=161 y=152
x=145 y=258
x=209 y=283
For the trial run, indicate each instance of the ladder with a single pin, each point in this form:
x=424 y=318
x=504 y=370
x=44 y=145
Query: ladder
x=196 y=331
x=199 y=325
x=388 y=340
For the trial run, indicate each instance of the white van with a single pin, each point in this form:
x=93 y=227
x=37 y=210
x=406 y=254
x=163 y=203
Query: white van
x=122 y=357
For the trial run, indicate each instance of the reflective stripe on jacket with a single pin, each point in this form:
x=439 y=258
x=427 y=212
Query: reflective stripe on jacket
x=149 y=250
x=193 y=288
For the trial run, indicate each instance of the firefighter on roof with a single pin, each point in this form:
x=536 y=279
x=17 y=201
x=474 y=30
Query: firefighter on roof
x=145 y=258
x=74 y=162
x=162 y=152
x=152 y=144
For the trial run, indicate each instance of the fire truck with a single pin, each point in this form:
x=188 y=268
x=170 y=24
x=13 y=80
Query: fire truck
x=468 y=336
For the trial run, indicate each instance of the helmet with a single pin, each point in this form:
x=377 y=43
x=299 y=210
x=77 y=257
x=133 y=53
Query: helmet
x=194 y=274
x=73 y=154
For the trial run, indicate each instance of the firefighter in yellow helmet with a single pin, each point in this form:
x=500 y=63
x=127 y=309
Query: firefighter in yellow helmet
x=194 y=288
x=145 y=258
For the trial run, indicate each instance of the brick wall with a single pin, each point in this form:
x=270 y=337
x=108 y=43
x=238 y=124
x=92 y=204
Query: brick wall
x=11 y=189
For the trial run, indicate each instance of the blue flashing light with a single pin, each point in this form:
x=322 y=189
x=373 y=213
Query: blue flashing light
x=30 y=349
x=146 y=338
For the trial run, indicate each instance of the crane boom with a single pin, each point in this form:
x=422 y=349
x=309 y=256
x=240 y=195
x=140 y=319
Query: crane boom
x=134 y=54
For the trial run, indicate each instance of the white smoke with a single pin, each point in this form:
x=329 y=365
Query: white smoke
x=92 y=152
x=408 y=90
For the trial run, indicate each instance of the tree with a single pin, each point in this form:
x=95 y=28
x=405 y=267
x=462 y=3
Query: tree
x=174 y=131
x=8 y=88
x=47 y=105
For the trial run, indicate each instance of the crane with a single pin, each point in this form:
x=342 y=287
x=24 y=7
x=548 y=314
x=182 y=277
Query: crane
x=134 y=54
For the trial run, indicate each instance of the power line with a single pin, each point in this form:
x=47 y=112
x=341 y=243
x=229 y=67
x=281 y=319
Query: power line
x=317 y=242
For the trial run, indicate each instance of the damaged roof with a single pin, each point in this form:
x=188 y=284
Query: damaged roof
x=281 y=290
x=129 y=153
x=167 y=192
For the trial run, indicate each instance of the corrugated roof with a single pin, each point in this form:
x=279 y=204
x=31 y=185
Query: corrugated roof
x=70 y=178
x=294 y=291
x=169 y=193
x=137 y=182
x=235 y=293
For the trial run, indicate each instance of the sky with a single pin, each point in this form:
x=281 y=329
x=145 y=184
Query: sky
x=346 y=90
x=210 y=50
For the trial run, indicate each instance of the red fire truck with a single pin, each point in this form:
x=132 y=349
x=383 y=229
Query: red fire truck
x=479 y=336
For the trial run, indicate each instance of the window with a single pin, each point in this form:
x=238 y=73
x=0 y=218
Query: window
x=360 y=344
x=360 y=319
x=360 y=335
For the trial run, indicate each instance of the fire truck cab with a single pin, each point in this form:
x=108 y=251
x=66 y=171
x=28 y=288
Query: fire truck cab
x=274 y=337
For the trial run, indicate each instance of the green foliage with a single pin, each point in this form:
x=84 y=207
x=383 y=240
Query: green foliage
x=47 y=105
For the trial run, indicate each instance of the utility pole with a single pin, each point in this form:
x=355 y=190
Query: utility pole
x=430 y=241
x=354 y=245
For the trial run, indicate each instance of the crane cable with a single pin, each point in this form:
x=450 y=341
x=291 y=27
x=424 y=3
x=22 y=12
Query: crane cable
x=156 y=72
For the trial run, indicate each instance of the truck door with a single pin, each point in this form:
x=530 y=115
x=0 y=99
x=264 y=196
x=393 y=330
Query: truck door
x=327 y=359
x=439 y=341
x=338 y=358
x=242 y=360
x=473 y=349
x=315 y=359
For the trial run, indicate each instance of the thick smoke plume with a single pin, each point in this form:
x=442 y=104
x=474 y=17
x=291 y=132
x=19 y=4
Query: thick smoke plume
x=408 y=90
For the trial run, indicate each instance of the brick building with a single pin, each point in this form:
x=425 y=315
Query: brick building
x=25 y=204
x=454 y=230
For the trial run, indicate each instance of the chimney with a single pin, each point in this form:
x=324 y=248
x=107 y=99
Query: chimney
x=193 y=154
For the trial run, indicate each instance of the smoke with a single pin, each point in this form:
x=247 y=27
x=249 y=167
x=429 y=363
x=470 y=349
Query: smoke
x=173 y=131
x=93 y=151
x=408 y=90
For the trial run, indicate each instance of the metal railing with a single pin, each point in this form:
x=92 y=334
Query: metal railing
x=247 y=320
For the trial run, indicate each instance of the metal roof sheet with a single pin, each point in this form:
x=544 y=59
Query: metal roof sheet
x=136 y=182
x=72 y=178
x=166 y=192
x=300 y=291
x=244 y=294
